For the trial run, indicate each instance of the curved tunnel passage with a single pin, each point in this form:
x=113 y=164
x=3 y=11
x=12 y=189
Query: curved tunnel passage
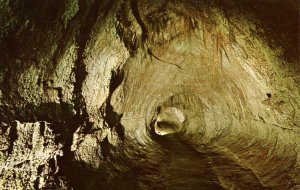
x=198 y=128
x=149 y=95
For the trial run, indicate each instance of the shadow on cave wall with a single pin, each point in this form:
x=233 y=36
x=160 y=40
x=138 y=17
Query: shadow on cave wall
x=277 y=22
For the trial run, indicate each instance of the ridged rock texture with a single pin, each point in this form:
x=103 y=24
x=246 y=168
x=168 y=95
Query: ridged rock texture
x=149 y=95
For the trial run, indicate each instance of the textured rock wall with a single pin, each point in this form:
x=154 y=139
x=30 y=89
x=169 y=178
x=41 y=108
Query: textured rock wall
x=149 y=95
x=31 y=158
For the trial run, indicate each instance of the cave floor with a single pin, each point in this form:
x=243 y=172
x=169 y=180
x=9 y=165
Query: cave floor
x=190 y=169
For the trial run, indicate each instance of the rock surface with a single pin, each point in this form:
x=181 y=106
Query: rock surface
x=149 y=95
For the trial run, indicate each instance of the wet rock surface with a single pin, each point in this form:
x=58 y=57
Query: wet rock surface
x=149 y=95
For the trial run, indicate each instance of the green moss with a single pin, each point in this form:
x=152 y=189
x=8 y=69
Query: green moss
x=71 y=10
x=2 y=158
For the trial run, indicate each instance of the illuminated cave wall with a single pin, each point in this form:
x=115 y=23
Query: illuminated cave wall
x=149 y=95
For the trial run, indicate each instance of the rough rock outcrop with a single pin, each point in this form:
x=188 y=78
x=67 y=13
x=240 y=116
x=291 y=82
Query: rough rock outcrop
x=149 y=94
x=31 y=156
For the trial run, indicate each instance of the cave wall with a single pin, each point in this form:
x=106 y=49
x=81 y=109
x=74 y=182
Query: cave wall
x=87 y=89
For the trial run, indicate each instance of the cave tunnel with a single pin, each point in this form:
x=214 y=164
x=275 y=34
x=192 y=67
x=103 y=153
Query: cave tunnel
x=149 y=95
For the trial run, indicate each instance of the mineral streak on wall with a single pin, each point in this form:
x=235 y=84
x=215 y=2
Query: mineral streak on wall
x=144 y=95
